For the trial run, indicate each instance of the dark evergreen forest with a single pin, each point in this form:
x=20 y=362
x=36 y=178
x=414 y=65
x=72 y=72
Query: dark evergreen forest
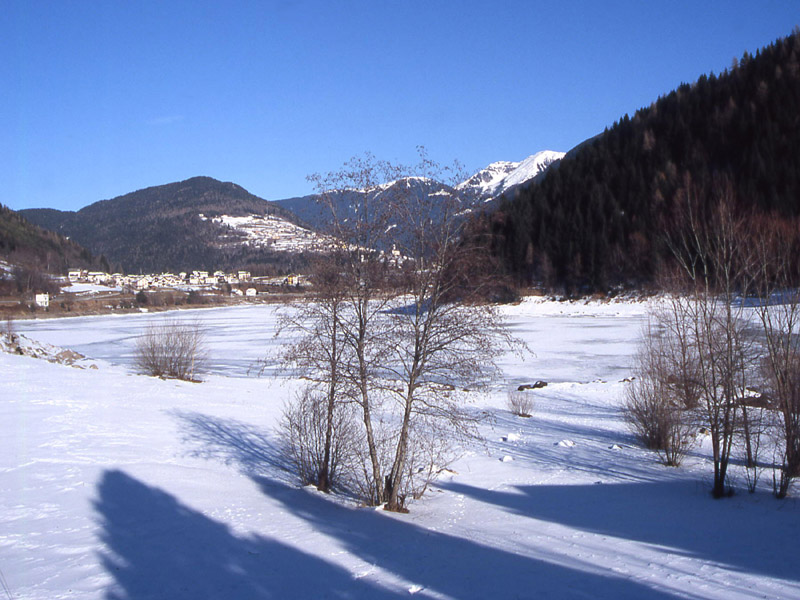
x=596 y=221
x=22 y=243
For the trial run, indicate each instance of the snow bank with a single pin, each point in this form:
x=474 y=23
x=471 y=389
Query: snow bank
x=24 y=346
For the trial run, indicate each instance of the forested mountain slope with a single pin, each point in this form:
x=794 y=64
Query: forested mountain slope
x=170 y=227
x=597 y=218
x=25 y=244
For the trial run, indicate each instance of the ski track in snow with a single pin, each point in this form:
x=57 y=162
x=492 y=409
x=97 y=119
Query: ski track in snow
x=119 y=486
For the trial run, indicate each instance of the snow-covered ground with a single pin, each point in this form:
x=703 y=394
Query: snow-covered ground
x=116 y=485
x=88 y=288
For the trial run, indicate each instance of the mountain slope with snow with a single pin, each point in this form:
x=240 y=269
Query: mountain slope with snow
x=487 y=184
x=160 y=228
x=271 y=232
x=501 y=177
x=346 y=202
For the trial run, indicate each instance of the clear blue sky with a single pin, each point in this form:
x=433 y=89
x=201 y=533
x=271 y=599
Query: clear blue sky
x=98 y=99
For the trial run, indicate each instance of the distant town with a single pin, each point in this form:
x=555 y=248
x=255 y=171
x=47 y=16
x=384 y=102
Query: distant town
x=183 y=280
x=160 y=289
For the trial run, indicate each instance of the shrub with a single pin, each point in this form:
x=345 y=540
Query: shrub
x=660 y=423
x=172 y=349
x=304 y=427
x=195 y=297
x=520 y=403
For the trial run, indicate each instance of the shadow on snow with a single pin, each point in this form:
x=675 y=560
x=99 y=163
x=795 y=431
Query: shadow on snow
x=159 y=548
x=254 y=452
x=451 y=566
x=752 y=534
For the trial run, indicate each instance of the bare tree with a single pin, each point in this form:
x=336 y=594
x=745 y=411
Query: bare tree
x=404 y=331
x=9 y=332
x=172 y=349
x=317 y=354
x=776 y=245
x=730 y=260
x=441 y=341
x=360 y=223
x=717 y=265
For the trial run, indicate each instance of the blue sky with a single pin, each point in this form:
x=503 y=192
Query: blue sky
x=103 y=98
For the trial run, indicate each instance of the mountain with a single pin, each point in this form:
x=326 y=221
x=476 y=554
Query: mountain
x=24 y=244
x=200 y=223
x=317 y=214
x=598 y=220
x=496 y=180
x=503 y=177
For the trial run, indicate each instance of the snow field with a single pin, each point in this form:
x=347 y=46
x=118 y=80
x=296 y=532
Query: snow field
x=115 y=485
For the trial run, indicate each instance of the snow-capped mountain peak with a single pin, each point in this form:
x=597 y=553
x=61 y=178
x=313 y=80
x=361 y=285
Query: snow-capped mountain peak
x=501 y=176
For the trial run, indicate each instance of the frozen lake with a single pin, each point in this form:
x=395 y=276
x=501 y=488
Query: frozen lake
x=237 y=337
x=568 y=341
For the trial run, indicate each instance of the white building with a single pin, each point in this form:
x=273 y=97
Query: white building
x=42 y=300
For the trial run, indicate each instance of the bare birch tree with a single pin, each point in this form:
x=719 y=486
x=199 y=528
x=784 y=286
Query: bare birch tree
x=441 y=341
x=779 y=313
x=360 y=223
x=717 y=264
x=318 y=354
x=399 y=328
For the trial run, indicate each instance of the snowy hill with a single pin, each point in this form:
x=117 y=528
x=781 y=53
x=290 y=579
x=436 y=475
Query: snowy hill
x=271 y=232
x=500 y=177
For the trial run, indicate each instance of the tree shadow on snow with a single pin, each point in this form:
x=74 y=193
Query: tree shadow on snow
x=253 y=451
x=749 y=534
x=159 y=548
x=438 y=564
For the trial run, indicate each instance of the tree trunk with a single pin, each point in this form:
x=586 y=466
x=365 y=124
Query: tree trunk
x=323 y=481
x=393 y=500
